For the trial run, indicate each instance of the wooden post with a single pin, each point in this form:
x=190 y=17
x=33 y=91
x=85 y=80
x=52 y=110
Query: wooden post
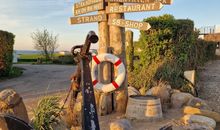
x=117 y=44
x=104 y=72
x=129 y=49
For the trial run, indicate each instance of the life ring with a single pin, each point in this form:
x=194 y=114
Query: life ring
x=96 y=60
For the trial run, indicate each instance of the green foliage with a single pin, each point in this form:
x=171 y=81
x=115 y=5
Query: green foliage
x=15 y=72
x=6 y=52
x=31 y=58
x=66 y=59
x=45 y=113
x=166 y=50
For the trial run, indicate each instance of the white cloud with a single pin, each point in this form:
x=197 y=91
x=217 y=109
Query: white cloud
x=8 y=22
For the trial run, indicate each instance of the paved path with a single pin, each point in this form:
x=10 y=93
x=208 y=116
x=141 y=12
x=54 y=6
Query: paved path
x=40 y=79
x=209 y=84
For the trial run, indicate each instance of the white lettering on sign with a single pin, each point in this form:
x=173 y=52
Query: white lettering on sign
x=142 y=1
x=134 y=8
x=88 y=19
x=129 y=24
x=88 y=9
x=87 y=3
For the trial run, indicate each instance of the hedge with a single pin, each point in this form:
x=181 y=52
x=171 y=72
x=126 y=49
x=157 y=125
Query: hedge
x=6 y=52
x=169 y=48
x=66 y=59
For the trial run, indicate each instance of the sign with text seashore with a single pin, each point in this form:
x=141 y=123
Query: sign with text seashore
x=88 y=19
x=168 y=2
x=129 y=24
x=134 y=8
x=90 y=8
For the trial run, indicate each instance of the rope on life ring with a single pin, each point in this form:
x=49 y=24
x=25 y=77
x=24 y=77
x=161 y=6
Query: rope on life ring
x=96 y=60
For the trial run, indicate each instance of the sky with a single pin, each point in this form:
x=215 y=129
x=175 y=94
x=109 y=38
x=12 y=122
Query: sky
x=23 y=17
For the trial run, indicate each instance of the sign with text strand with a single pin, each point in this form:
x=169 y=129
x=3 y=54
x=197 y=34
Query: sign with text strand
x=134 y=8
x=129 y=24
x=87 y=9
x=168 y=2
x=86 y=3
x=88 y=19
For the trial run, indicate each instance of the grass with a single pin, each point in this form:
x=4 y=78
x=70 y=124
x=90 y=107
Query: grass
x=34 y=56
x=45 y=113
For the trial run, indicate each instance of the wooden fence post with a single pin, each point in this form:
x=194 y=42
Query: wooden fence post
x=104 y=70
x=117 y=44
x=129 y=49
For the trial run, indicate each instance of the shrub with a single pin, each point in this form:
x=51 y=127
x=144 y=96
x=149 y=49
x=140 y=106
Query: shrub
x=166 y=50
x=66 y=59
x=6 y=52
x=45 y=113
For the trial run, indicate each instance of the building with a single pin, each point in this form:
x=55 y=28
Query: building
x=63 y=53
x=15 y=57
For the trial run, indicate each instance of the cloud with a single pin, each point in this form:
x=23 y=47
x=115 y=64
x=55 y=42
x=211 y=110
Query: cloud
x=8 y=22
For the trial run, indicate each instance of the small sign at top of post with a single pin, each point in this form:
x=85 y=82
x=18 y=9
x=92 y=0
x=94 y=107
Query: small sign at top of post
x=86 y=3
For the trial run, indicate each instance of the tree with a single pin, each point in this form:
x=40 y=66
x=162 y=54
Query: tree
x=45 y=42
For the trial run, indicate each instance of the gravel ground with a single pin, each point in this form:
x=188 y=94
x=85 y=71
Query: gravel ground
x=209 y=84
x=38 y=80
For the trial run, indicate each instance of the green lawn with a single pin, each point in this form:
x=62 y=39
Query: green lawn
x=34 y=56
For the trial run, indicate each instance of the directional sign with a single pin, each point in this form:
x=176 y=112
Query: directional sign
x=88 y=19
x=87 y=9
x=129 y=24
x=86 y=3
x=134 y=8
x=142 y=1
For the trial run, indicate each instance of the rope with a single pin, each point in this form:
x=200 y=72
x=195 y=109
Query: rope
x=67 y=96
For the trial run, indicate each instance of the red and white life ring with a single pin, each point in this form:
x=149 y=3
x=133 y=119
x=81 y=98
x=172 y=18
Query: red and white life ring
x=120 y=73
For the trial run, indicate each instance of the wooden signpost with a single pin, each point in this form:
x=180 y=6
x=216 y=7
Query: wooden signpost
x=112 y=26
x=167 y=2
x=88 y=19
x=134 y=8
x=90 y=8
x=129 y=24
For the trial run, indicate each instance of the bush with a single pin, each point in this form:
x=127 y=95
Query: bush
x=15 y=72
x=6 y=52
x=66 y=59
x=45 y=113
x=166 y=50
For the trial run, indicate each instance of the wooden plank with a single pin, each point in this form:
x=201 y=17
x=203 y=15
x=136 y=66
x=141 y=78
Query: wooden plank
x=129 y=24
x=86 y=3
x=87 y=9
x=88 y=19
x=167 y=2
x=134 y=8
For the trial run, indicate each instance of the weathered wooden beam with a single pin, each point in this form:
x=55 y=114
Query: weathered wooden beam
x=117 y=44
x=104 y=70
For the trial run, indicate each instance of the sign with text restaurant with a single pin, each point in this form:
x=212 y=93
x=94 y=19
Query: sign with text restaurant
x=134 y=8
